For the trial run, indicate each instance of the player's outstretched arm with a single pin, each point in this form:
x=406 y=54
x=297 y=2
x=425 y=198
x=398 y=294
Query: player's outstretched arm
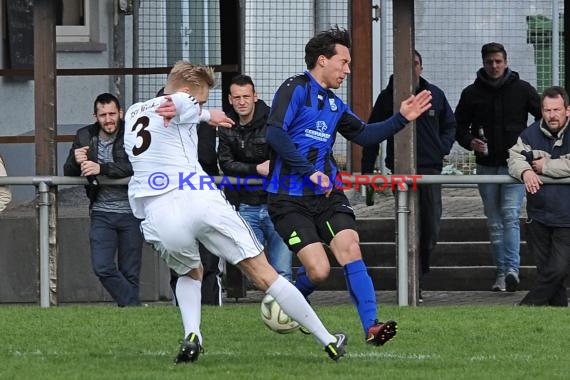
x=415 y=105
x=167 y=110
x=219 y=118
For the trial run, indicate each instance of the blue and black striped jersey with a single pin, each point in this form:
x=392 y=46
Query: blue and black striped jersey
x=311 y=116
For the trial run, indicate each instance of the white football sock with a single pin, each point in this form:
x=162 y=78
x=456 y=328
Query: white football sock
x=189 y=295
x=295 y=305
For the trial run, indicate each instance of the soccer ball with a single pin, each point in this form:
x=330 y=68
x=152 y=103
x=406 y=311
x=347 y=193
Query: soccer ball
x=275 y=318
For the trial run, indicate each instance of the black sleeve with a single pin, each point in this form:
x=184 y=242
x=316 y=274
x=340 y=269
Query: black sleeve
x=121 y=166
x=383 y=107
x=120 y=169
x=463 y=117
x=71 y=167
x=534 y=105
x=207 y=149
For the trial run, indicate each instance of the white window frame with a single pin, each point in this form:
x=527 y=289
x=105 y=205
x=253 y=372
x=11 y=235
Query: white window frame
x=79 y=33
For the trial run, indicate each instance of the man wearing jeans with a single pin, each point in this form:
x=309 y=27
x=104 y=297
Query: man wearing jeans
x=98 y=149
x=243 y=152
x=491 y=114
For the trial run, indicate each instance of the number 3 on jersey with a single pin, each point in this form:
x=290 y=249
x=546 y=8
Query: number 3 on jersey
x=143 y=134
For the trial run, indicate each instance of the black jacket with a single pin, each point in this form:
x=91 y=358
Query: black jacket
x=501 y=108
x=241 y=148
x=89 y=136
x=435 y=131
x=207 y=149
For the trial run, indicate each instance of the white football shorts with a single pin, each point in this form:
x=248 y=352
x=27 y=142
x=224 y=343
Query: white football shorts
x=175 y=222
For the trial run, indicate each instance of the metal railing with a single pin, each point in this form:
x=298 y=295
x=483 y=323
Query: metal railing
x=43 y=184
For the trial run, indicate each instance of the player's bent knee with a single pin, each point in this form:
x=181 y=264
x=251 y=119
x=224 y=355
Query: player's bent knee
x=318 y=275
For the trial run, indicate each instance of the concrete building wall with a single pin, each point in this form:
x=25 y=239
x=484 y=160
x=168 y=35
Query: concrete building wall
x=19 y=264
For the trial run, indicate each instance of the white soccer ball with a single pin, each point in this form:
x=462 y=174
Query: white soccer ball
x=275 y=318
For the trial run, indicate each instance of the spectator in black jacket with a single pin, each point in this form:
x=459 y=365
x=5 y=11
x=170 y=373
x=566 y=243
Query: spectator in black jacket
x=243 y=151
x=435 y=137
x=98 y=150
x=491 y=114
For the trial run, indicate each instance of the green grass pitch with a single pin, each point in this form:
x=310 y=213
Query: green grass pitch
x=104 y=342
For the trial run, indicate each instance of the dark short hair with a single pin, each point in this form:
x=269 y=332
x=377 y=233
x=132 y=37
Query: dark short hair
x=105 y=98
x=324 y=44
x=554 y=92
x=242 y=80
x=419 y=56
x=492 y=48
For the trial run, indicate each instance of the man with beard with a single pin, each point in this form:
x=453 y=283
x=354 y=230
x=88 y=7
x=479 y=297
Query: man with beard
x=98 y=149
x=544 y=149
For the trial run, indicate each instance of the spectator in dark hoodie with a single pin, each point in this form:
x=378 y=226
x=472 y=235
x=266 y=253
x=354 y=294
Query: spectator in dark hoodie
x=435 y=137
x=491 y=114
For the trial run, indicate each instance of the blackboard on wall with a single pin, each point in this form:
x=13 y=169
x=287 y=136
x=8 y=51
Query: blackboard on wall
x=20 y=21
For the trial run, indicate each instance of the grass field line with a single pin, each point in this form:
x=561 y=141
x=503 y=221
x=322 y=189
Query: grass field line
x=412 y=357
x=433 y=343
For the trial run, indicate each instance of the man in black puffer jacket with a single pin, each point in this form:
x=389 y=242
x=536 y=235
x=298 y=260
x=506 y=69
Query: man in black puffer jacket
x=491 y=114
x=243 y=151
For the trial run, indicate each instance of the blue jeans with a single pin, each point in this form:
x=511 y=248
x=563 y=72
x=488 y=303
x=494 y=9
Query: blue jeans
x=116 y=233
x=276 y=250
x=502 y=205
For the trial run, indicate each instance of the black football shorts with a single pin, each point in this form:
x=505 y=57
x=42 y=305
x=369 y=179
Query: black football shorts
x=310 y=219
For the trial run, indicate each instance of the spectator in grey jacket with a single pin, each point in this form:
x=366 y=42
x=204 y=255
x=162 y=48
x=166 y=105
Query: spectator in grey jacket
x=544 y=149
x=98 y=149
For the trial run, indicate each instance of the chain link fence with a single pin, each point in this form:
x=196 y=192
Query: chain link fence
x=449 y=35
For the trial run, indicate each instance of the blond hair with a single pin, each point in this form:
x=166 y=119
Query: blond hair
x=185 y=74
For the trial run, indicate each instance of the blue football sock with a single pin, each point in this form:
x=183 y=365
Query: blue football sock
x=361 y=292
x=305 y=286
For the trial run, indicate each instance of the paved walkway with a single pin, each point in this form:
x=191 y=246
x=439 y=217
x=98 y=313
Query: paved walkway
x=457 y=202
x=389 y=297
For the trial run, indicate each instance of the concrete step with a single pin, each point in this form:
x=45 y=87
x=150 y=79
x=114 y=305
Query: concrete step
x=452 y=229
x=445 y=254
x=440 y=278
x=461 y=260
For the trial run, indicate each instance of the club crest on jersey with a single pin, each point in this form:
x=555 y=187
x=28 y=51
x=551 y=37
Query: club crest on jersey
x=321 y=126
x=320 y=131
x=334 y=108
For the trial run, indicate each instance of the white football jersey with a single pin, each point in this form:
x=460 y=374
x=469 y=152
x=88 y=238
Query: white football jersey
x=163 y=158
